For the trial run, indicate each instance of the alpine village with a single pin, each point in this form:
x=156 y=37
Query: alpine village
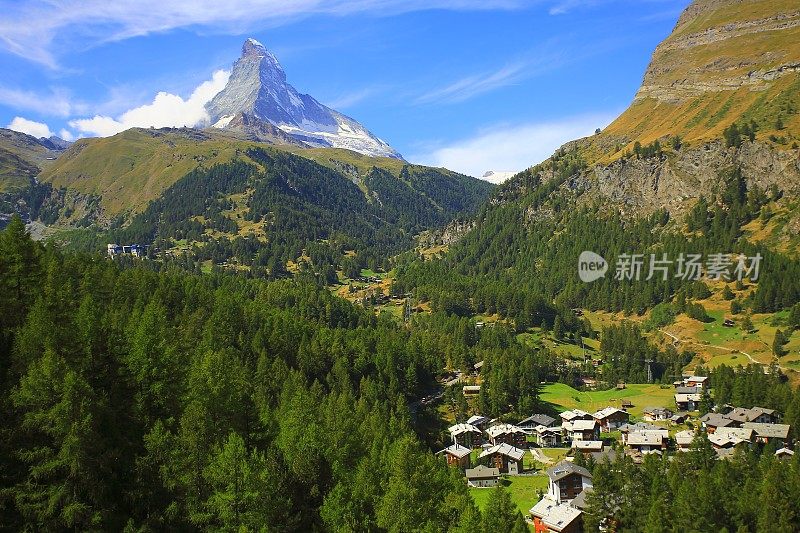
x=272 y=321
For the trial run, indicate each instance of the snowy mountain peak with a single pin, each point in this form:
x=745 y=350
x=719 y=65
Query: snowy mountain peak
x=254 y=49
x=494 y=176
x=257 y=87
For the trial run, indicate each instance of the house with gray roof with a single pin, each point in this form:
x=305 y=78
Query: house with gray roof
x=482 y=476
x=766 y=433
x=536 y=420
x=610 y=418
x=506 y=458
x=731 y=437
x=456 y=455
x=465 y=434
x=687 y=402
x=712 y=421
x=507 y=433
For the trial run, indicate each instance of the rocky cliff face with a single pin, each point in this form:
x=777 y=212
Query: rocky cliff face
x=712 y=50
x=675 y=180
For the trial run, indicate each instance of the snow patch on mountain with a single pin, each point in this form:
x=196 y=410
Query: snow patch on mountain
x=223 y=121
x=494 y=176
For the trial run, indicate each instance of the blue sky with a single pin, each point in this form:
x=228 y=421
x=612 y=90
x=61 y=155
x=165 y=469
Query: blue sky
x=471 y=85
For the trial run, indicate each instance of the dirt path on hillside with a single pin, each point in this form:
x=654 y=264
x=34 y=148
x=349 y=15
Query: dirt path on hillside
x=749 y=357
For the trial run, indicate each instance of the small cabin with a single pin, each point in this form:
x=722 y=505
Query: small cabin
x=482 y=476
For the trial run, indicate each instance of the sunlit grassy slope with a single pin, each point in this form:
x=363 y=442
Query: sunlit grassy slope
x=132 y=168
x=726 y=61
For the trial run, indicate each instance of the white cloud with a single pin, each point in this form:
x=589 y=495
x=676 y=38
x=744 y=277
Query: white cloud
x=510 y=148
x=166 y=110
x=66 y=135
x=37 y=129
x=29 y=29
x=471 y=86
x=350 y=99
x=56 y=103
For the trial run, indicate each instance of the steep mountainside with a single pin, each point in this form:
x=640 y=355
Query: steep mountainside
x=21 y=159
x=726 y=61
x=258 y=101
x=22 y=156
x=127 y=171
x=721 y=92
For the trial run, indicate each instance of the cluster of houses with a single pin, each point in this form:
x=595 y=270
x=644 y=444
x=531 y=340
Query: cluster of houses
x=734 y=427
x=500 y=447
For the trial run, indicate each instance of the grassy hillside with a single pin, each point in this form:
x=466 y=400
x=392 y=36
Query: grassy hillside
x=15 y=172
x=726 y=61
x=21 y=158
x=133 y=168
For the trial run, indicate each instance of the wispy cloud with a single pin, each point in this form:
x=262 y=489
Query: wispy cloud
x=165 y=110
x=350 y=99
x=562 y=7
x=30 y=29
x=549 y=55
x=55 y=103
x=474 y=85
x=565 y=6
x=510 y=147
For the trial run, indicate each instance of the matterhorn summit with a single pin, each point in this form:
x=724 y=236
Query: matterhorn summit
x=259 y=102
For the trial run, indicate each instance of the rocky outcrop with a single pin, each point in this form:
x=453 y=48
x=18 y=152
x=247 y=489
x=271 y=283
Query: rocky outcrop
x=675 y=180
x=446 y=236
x=681 y=69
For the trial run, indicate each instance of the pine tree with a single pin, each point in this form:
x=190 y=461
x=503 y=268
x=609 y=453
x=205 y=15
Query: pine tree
x=727 y=294
x=500 y=513
x=558 y=328
x=747 y=324
x=778 y=343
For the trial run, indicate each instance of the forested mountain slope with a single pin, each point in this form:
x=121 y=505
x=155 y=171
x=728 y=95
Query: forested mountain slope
x=221 y=198
x=21 y=159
